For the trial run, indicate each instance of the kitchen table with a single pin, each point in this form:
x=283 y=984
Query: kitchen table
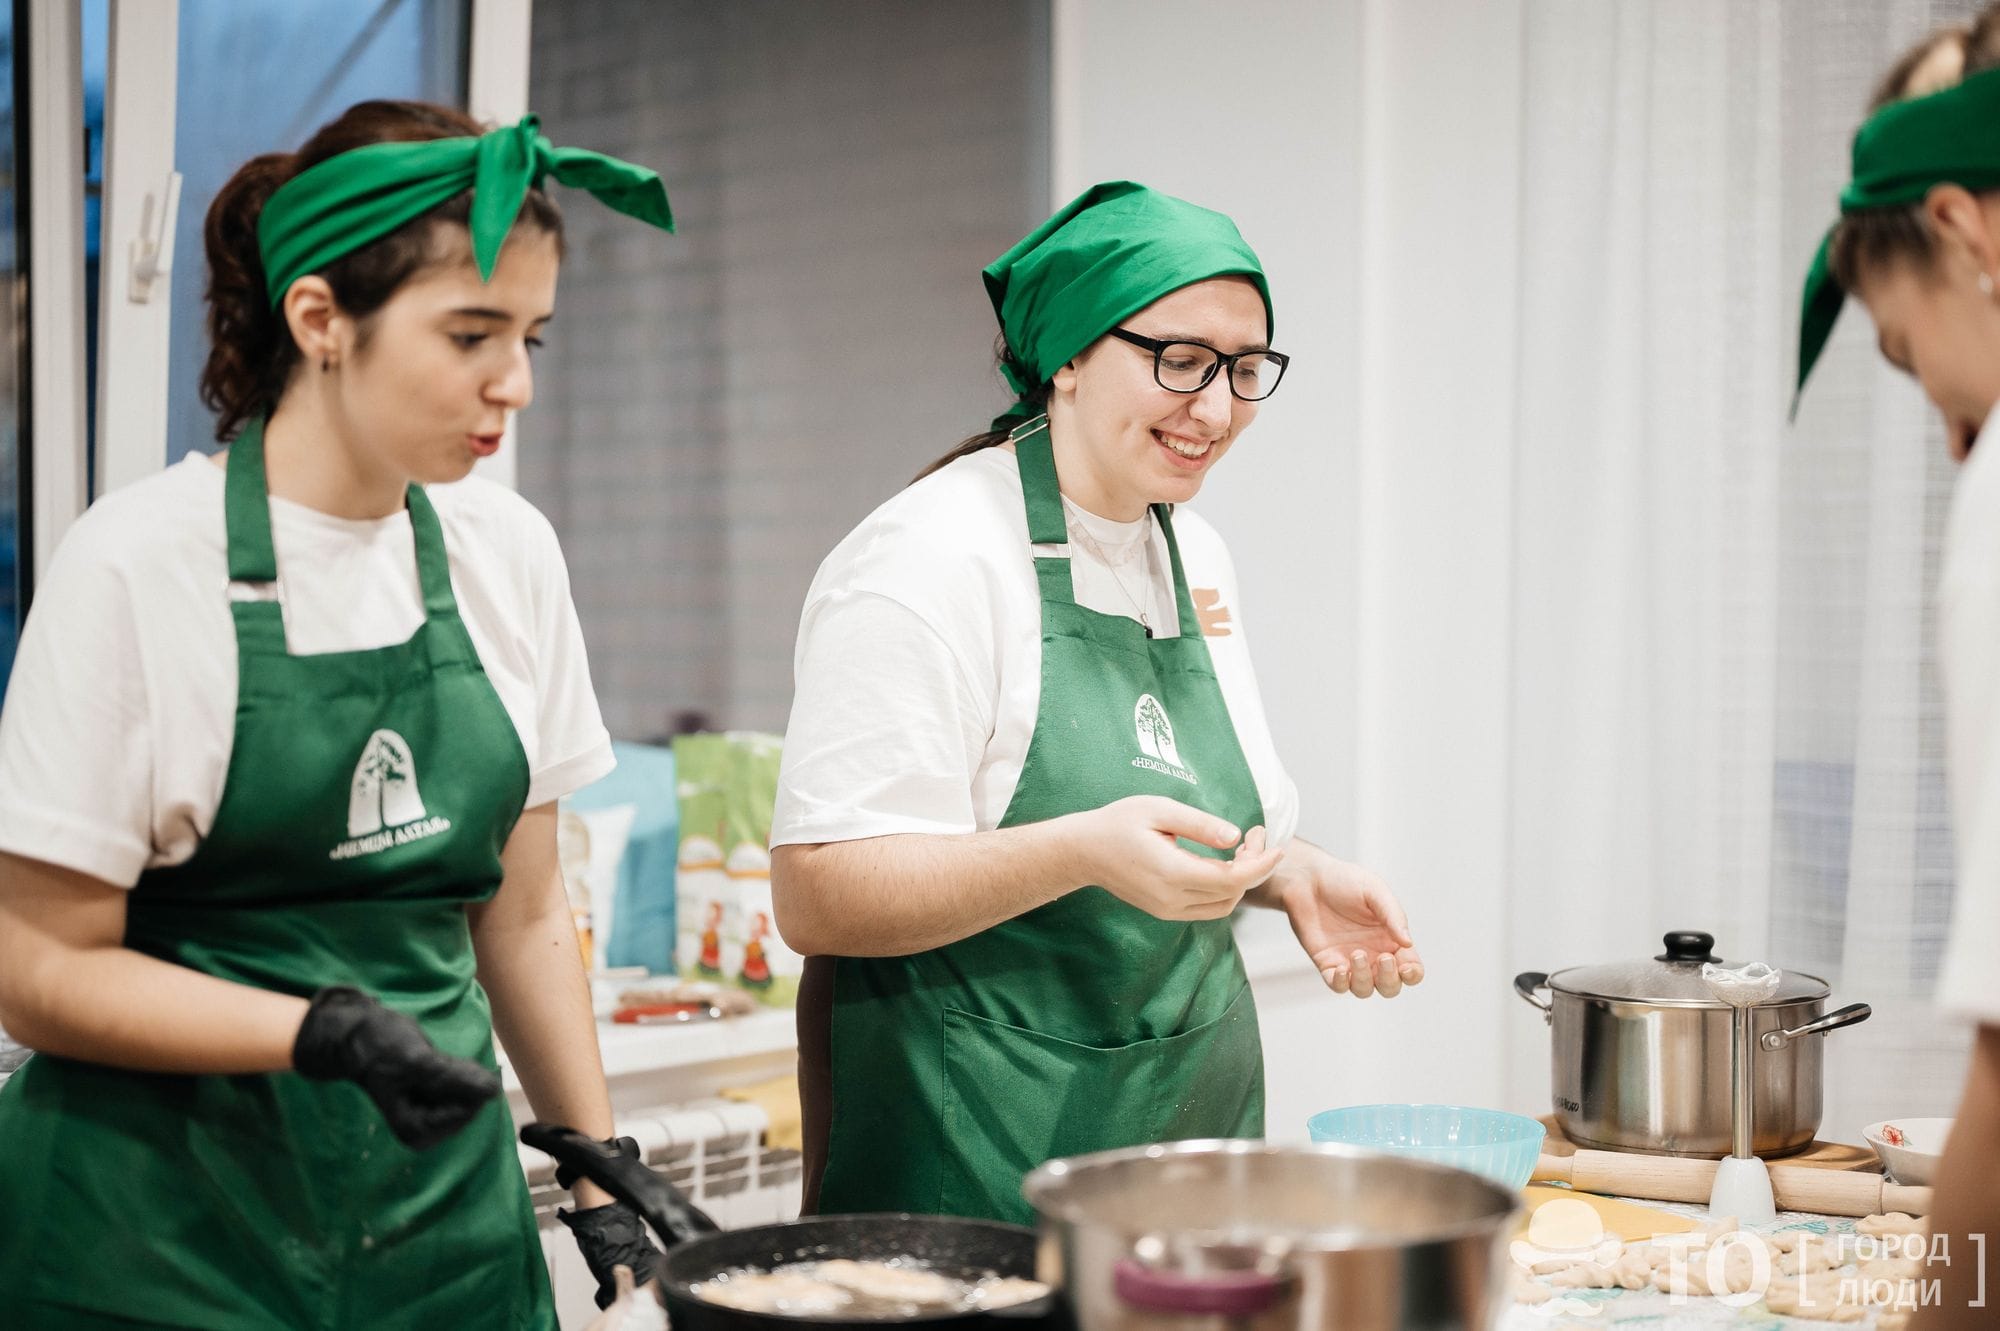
x=1592 y=1309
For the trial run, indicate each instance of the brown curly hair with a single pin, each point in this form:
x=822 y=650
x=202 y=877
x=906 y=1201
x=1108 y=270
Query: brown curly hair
x=251 y=353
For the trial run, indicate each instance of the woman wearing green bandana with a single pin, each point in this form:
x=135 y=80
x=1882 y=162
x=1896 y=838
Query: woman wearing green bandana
x=1918 y=244
x=278 y=776
x=1027 y=776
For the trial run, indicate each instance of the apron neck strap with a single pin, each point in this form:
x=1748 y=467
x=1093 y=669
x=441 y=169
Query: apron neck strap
x=433 y=570
x=1183 y=599
x=1049 y=526
x=1037 y=454
x=246 y=509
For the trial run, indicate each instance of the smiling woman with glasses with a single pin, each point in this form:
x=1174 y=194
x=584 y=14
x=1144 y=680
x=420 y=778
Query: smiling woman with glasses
x=1026 y=780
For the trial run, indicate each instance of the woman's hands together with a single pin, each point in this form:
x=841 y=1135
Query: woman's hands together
x=1130 y=848
x=1346 y=918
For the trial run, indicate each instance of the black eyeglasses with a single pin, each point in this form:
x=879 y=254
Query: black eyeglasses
x=1186 y=367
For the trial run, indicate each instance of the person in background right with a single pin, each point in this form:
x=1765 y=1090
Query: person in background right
x=1918 y=244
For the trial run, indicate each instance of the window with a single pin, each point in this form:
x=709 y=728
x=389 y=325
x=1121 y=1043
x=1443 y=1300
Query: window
x=236 y=100
x=14 y=487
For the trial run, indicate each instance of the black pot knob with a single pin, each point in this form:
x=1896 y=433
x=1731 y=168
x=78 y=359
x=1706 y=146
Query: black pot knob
x=1689 y=946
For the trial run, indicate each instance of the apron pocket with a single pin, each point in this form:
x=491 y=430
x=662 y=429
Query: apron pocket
x=1015 y=1098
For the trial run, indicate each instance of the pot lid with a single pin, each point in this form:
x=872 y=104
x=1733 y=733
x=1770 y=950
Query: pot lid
x=1674 y=977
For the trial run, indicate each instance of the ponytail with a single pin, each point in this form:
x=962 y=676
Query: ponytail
x=992 y=438
x=251 y=353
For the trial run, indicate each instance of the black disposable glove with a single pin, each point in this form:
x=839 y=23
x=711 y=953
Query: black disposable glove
x=610 y=1237
x=425 y=1094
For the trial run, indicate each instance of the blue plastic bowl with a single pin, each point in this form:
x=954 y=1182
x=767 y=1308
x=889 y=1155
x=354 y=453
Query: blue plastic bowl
x=1502 y=1147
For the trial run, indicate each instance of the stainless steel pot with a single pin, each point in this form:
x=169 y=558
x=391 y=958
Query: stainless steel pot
x=1640 y=1054
x=1250 y=1236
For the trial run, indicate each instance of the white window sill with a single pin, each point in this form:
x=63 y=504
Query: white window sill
x=635 y=1050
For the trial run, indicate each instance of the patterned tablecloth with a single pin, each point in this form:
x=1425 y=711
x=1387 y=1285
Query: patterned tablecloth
x=1592 y=1309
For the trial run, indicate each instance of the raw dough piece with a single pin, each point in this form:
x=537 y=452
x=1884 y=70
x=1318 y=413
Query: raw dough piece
x=1818 y=1301
x=1811 y=1255
x=1892 y=1269
x=1525 y=1290
x=1632 y=1271
x=1896 y=1222
x=1739 y=1273
x=1583 y=1275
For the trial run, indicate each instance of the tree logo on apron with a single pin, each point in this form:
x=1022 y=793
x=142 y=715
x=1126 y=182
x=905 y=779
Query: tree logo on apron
x=1156 y=740
x=384 y=808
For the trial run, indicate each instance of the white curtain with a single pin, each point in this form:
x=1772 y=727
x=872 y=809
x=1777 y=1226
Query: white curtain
x=1724 y=711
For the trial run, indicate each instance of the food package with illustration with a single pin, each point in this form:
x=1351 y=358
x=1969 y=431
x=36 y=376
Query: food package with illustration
x=617 y=840
x=589 y=845
x=728 y=931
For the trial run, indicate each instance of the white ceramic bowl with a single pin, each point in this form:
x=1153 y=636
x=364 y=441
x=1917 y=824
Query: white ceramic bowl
x=1915 y=1159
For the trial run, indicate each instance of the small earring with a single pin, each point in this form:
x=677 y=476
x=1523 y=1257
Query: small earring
x=326 y=362
x=1986 y=284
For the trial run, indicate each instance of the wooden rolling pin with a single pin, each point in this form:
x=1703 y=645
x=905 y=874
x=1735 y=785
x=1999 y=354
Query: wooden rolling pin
x=1665 y=1178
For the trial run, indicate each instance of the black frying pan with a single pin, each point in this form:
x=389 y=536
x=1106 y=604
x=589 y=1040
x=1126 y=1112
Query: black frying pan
x=698 y=1249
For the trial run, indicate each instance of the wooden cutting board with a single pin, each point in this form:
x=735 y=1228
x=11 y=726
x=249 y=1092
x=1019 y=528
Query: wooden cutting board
x=1820 y=1155
x=1627 y=1220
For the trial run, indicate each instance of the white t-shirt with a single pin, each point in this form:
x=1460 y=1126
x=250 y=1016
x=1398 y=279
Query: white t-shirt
x=919 y=659
x=120 y=716
x=1969 y=663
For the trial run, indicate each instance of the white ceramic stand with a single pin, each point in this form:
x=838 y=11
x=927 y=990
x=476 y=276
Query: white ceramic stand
x=1742 y=1181
x=1743 y=1189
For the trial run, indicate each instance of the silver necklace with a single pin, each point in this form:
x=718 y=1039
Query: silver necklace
x=1090 y=543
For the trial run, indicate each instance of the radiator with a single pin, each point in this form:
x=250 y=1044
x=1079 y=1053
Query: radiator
x=712 y=1150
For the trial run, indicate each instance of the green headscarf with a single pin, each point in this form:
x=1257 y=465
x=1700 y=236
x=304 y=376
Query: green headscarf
x=1116 y=249
x=339 y=205
x=1901 y=153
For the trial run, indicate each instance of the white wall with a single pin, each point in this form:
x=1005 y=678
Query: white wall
x=1439 y=246
x=1367 y=509
x=1255 y=113
x=721 y=406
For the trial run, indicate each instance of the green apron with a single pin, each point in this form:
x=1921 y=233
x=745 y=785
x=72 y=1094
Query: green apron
x=368 y=797
x=1086 y=1024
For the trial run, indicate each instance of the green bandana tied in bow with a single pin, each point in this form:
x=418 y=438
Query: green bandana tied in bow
x=337 y=206
x=1901 y=153
x=1116 y=249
